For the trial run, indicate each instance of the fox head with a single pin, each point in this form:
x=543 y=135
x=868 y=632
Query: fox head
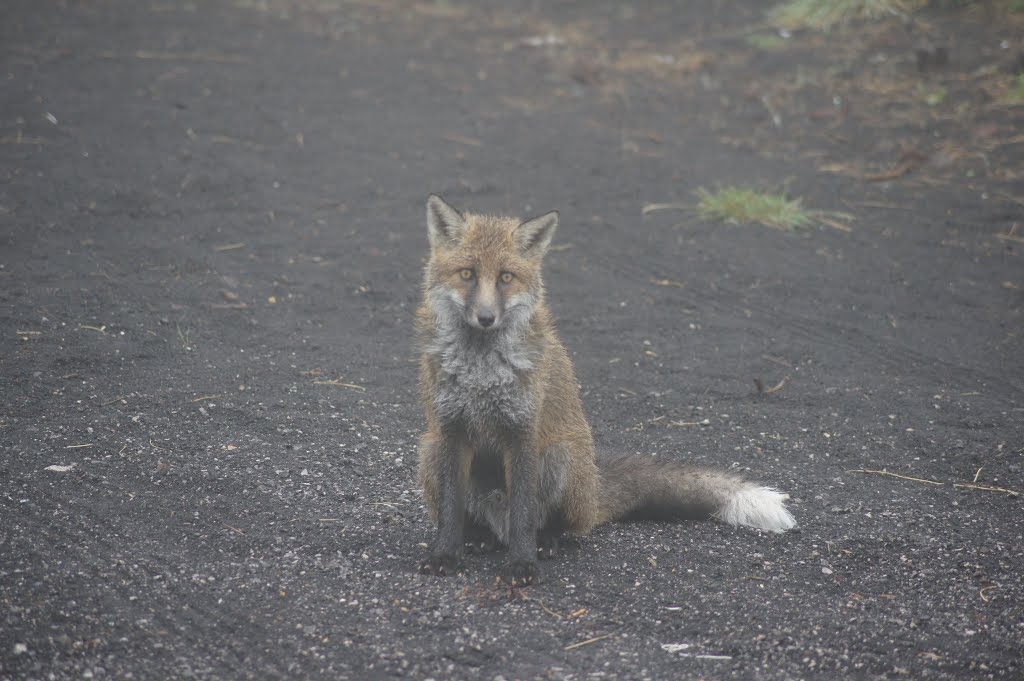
x=486 y=270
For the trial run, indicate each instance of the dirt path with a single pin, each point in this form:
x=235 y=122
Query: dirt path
x=211 y=237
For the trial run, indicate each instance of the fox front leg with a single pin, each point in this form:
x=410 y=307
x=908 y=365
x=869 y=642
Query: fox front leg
x=521 y=479
x=451 y=469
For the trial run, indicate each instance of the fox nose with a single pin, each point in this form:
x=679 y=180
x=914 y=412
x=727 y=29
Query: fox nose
x=485 y=317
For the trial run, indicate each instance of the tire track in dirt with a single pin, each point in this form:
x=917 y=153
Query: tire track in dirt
x=123 y=597
x=790 y=326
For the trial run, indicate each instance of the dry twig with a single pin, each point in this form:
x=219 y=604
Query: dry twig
x=774 y=389
x=462 y=139
x=983 y=488
x=893 y=173
x=894 y=475
x=340 y=384
x=687 y=424
x=966 y=485
x=1012 y=235
x=150 y=55
x=574 y=646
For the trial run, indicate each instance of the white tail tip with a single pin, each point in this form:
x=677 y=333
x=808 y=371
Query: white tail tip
x=758 y=507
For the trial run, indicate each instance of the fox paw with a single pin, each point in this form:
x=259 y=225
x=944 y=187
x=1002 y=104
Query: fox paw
x=482 y=546
x=440 y=564
x=522 y=573
x=547 y=548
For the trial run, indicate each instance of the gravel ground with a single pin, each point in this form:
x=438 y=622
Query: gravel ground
x=211 y=243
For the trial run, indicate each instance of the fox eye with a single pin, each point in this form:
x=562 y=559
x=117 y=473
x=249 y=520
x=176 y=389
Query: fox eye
x=466 y=274
x=507 y=277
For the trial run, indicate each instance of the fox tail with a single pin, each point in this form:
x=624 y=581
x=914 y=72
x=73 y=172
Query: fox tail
x=637 y=487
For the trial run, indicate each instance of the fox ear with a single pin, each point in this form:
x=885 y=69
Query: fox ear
x=444 y=224
x=534 y=236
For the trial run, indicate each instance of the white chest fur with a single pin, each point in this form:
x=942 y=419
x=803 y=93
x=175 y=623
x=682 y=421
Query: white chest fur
x=483 y=388
x=483 y=376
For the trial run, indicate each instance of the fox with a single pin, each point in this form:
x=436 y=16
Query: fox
x=507 y=457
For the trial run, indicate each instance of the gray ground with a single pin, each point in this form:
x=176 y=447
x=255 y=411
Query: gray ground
x=211 y=238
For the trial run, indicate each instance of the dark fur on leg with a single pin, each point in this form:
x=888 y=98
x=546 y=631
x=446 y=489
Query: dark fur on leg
x=521 y=475
x=446 y=550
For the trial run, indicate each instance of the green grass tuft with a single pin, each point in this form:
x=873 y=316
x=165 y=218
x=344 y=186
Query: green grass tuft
x=1015 y=95
x=823 y=15
x=932 y=96
x=767 y=41
x=742 y=205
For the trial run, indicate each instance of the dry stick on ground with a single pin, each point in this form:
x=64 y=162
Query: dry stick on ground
x=654 y=207
x=19 y=139
x=983 y=488
x=462 y=139
x=877 y=204
x=895 y=475
x=687 y=424
x=1011 y=198
x=774 y=389
x=835 y=225
x=177 y=56
x=547 y=609
x=1011 y=235
x=338 y=383
x=897 y=172
x=574 y=646
x=966 y=485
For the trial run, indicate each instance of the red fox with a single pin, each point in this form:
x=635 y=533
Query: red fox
x=508 y=455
